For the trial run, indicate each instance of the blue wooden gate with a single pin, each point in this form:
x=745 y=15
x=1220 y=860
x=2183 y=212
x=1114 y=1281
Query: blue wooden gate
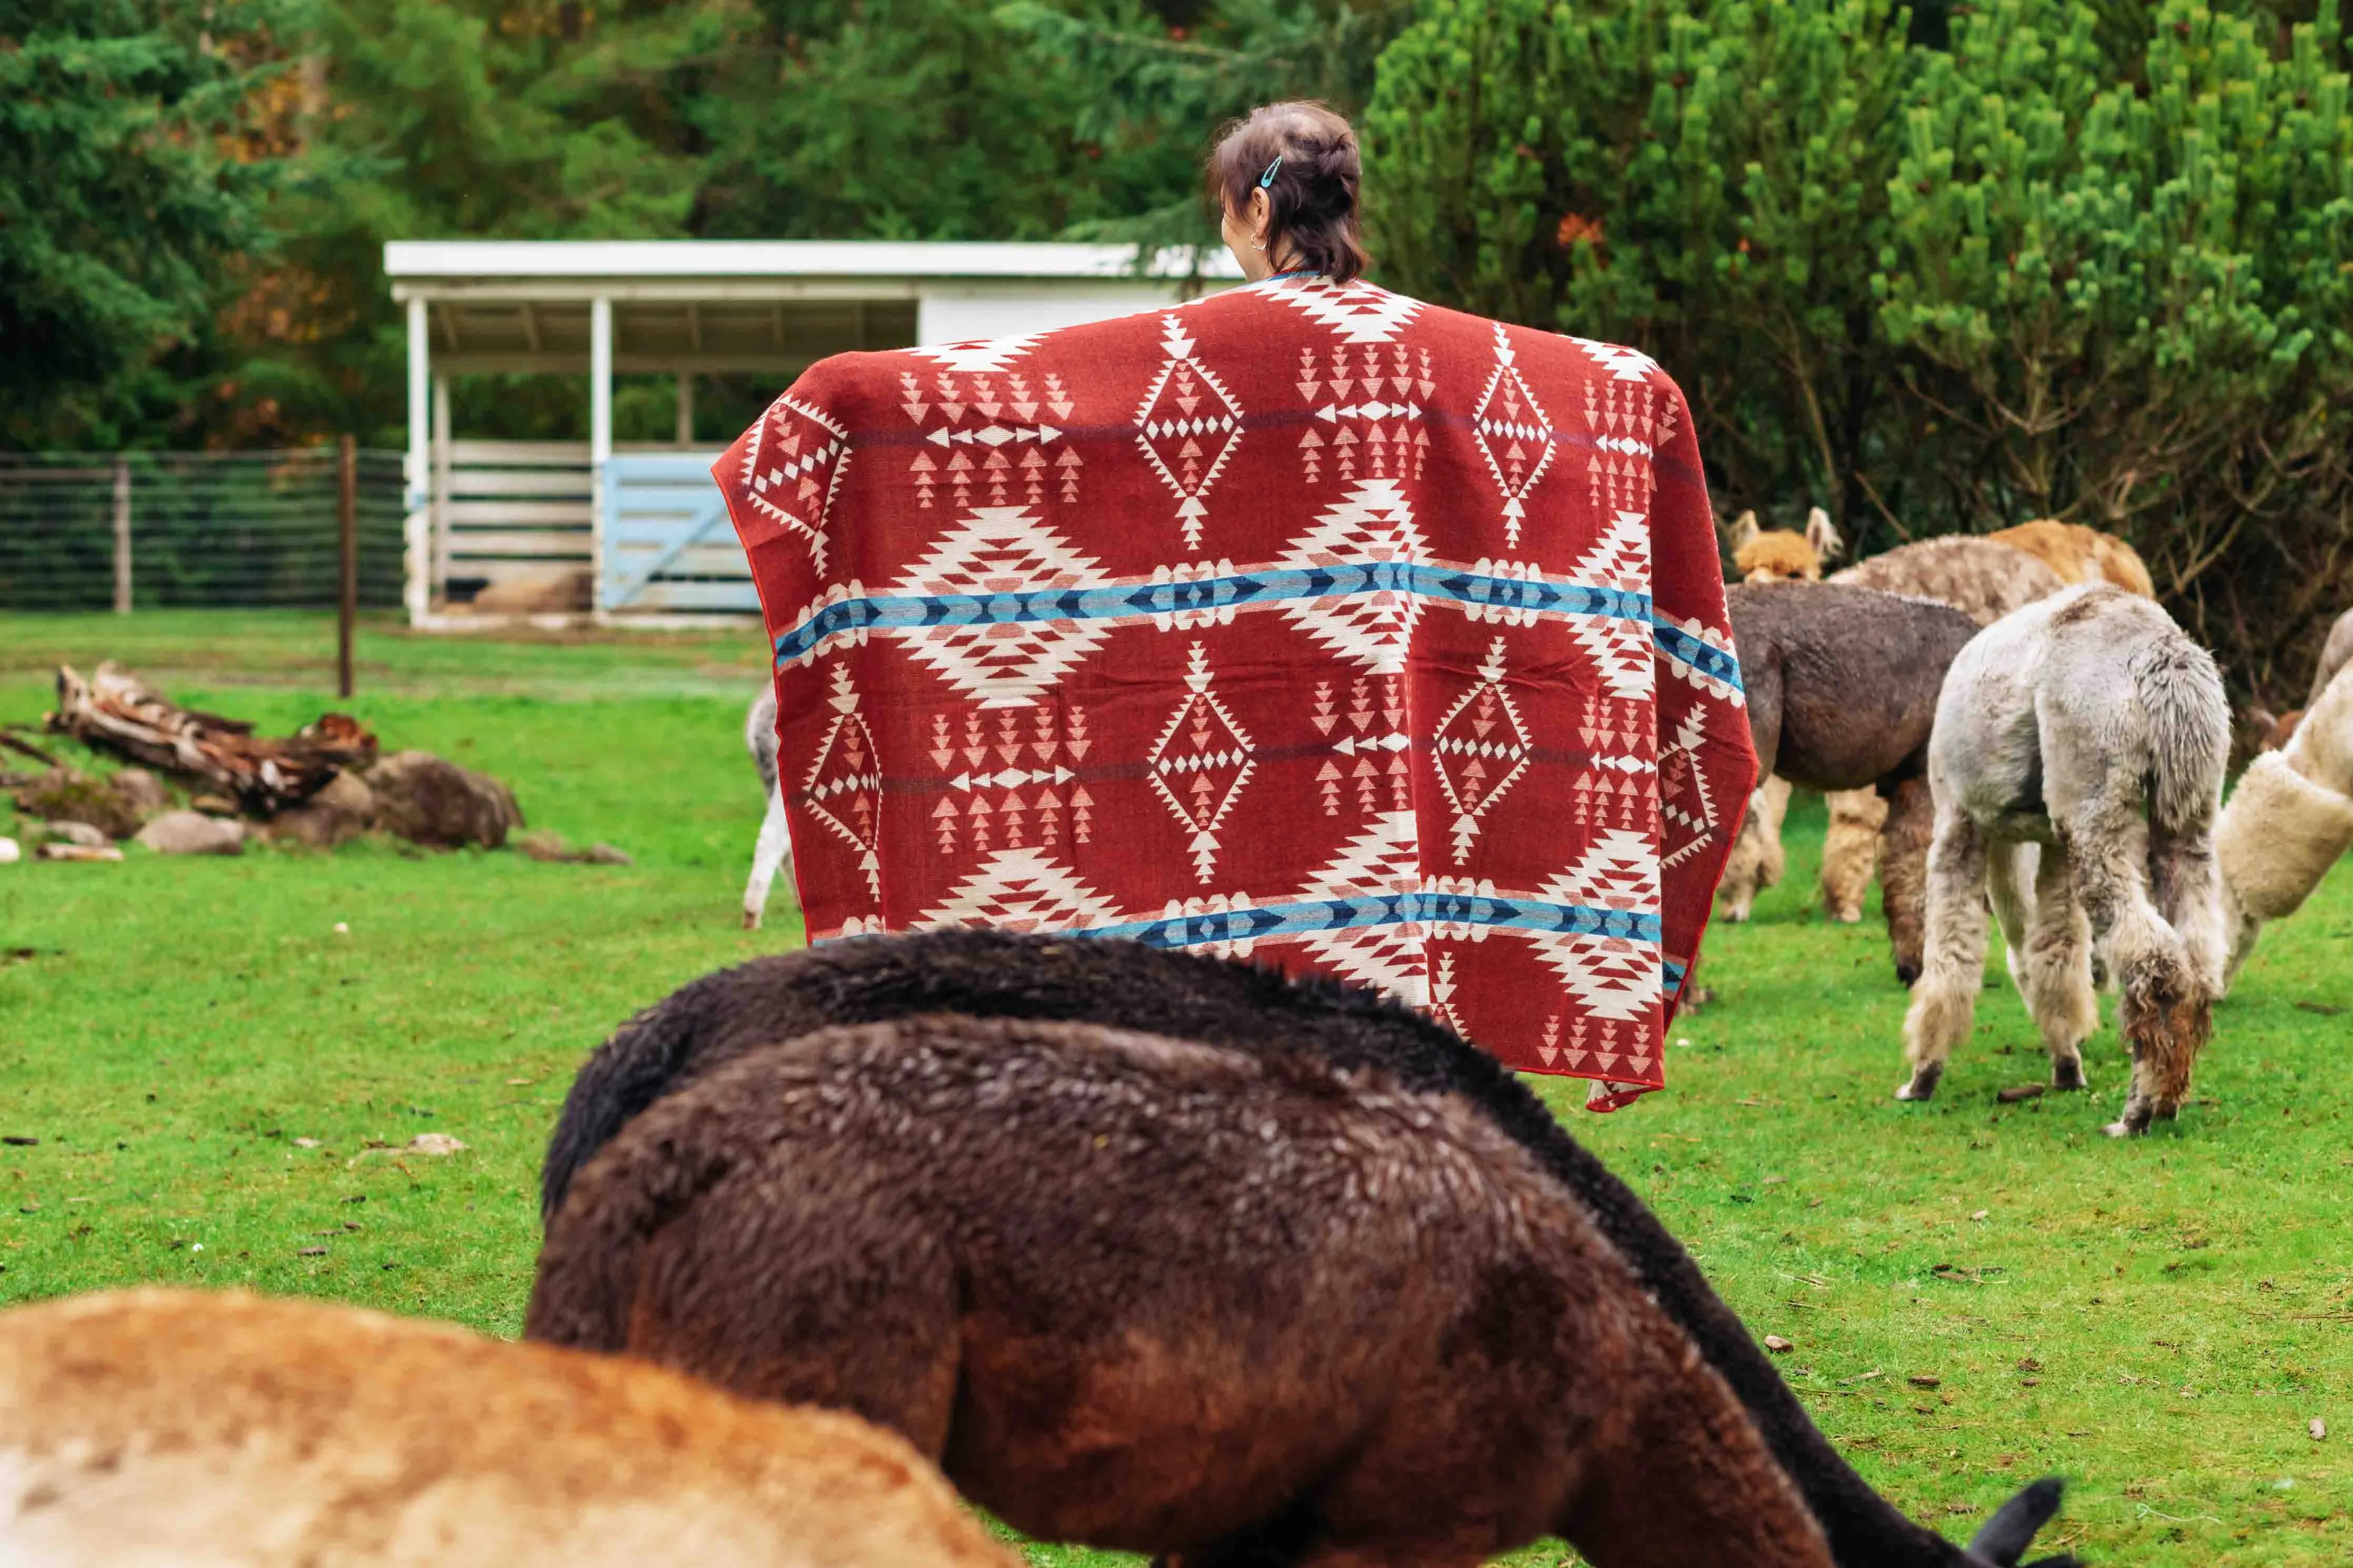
x=669 y=546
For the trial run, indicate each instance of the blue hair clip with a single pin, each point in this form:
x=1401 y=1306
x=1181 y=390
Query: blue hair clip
x=1266 y=181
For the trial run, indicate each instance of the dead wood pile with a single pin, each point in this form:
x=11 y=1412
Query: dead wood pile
x=114 y=711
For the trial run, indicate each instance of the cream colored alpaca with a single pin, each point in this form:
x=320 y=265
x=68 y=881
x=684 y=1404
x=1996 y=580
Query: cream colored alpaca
x=2290 y=819
x=2088 y=724
x=173 y=1428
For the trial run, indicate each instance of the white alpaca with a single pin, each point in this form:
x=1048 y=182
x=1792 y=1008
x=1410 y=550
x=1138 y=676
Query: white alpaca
x=2290 y=819
x=2090 y=725
x=775 y=850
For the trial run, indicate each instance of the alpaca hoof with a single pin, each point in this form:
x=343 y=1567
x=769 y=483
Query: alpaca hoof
x=1847 y=917
x=1696 y=1000
x=1736 y=917
x=2067 y=1075
x=1921 y=1085
x=751 y=920
x=2119 y=1129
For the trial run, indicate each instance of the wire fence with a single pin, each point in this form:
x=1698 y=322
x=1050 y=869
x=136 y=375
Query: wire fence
x=193 y=529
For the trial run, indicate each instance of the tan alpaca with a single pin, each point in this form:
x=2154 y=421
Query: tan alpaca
x=1782 y=554
x=160 y=1428
x=2081 y=554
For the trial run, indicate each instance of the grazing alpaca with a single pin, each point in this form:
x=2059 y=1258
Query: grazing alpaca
x=2090 y=725
x=775 y=850
x=724 y=1016
x=1145 y=1294
x=1781 y=555
x=2081 y=554
x=1842 y=686
x=155 y=1427
x=2289 y=821
x=1982 y=579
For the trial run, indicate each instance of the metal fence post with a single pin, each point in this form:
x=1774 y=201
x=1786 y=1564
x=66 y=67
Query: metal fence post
x=347 y=532
x=122 y=536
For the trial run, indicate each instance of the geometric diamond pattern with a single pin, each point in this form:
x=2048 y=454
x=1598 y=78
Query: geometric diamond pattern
x=792 y=466
x=1372 y=524
x=1482 y=750
x=843 y=787
x=1200 y=763
x=1000 y=550
x=1189 y=425
x=1512 y=435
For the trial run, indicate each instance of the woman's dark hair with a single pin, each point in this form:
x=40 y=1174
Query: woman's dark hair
x=1312 y=200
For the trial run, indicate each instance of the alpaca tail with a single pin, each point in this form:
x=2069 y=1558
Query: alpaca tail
x=2189 y=735
x=587 y=1288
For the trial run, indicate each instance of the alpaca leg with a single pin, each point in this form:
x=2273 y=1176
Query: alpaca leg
x=1944 y=1003
x=1758 y=859
x=2186 y=882
x=1904 y=872
x=2057 y=983
x=1850 y=851
x=771 y=855
x=2009 y=879
x=2166 y=1010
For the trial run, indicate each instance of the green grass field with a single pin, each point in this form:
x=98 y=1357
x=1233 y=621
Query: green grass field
x=2161 y=1321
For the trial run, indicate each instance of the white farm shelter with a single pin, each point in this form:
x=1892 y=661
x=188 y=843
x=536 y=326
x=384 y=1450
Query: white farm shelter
x=637 y=532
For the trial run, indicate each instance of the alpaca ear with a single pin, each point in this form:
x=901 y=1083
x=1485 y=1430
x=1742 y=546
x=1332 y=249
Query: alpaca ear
x=1743 y=531
x=2006 y=1536
x=1821 y=535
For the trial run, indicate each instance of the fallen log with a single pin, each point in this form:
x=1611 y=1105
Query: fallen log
x=114 y=711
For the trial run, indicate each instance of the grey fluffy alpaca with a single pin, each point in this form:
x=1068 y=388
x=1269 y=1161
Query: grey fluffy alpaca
x=2090 y=725
x=775 y=850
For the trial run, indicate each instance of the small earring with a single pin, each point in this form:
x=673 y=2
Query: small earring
x=1258 y=244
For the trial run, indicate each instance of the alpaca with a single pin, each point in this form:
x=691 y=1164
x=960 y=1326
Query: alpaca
x=724 y=1016
x=1144 y=1294
x=1977 y=576
x=2290 y=819
x=1982 y=579
x=1781 y=555
x=2061 y=726
x=159 y=1427
x=1841 y=687
x=775 y=850
x=1757 y=860
x=2081 y=554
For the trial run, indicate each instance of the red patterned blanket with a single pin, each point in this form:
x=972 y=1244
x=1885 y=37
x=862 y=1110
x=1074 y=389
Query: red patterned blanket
x=1305 y=621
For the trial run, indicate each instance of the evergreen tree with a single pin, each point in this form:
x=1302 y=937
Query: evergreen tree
x=119 y=209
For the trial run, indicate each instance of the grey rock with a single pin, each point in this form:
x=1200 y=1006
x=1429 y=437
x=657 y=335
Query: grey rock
x=193 y=833
x=336 y=814
x=140 y=792
x=427 y=800
x=76 y=833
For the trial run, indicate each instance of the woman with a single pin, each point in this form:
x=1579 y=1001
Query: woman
x=1285 y=177
x=1386 y=640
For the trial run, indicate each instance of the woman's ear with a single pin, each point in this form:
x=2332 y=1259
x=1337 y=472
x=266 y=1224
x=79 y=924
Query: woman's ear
x=1262 y=213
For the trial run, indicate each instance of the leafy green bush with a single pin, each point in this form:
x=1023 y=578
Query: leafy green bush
x=2081 y=264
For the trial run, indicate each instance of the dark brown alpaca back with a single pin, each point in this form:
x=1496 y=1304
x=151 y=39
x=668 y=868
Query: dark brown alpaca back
x=718 y=1018
x=1145 y=1293
x=1841 y=681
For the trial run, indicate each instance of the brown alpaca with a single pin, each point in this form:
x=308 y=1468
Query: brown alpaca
x=1148 y=1295
x=1984 y=581
x=1781 y=555
x=1842 y=686
x=2081 y=554
x=166 y=1426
